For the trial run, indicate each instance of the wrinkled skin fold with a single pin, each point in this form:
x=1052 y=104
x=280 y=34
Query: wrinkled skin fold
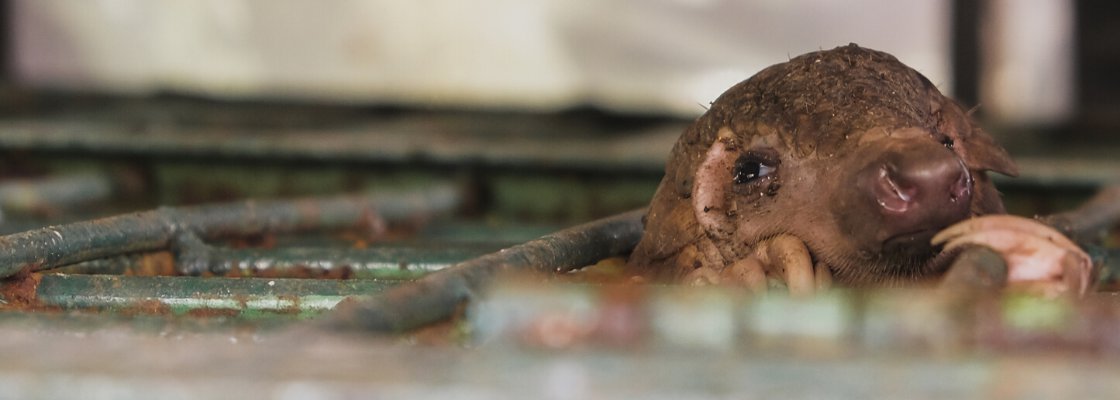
x=837 y=167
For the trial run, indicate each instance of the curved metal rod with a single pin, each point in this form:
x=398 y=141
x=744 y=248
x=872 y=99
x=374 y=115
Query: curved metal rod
x=56 y=246
x=1089 y=222
x=439 y=295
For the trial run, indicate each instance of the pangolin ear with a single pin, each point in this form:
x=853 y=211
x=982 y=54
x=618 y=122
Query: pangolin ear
x=976 y=148
x=983 y=153
x=711 y=197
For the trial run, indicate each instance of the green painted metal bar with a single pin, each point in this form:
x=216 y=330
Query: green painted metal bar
x=56 y=246
x=437 y=296
x=401 y=261
x=155 y=325
x=241 y=297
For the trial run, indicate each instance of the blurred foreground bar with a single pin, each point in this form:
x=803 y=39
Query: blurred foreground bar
x=46 y=364
x=910 y=321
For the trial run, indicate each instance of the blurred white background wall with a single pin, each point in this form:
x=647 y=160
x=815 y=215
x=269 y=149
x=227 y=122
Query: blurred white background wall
x=1027 y=61
x=661 y=56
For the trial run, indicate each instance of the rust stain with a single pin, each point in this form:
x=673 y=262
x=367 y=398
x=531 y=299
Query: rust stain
x=293 y=308
x=242 y=301
x=609 y=271
x=20 y=291
x=161 y=263
x=146 y=307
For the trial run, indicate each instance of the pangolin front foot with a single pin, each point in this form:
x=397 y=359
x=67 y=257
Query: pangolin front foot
x=1035 y=253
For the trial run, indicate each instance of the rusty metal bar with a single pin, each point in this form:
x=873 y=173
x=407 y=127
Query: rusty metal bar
x=56 y=246
x=977 y=269
x=1090 y=221
x=195 y=296
x=437 y=296
x=397 y=262
x=386 y=261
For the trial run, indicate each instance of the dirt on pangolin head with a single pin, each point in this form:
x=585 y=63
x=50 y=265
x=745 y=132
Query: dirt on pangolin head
x=818 y=99
x=817 y=120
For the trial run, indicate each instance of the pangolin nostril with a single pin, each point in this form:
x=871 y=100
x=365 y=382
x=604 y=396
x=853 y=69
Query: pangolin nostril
x=961 y=188
x=893 y=192
x=918 y=189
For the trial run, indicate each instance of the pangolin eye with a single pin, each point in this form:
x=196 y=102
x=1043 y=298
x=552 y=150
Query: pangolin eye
x=749 y=168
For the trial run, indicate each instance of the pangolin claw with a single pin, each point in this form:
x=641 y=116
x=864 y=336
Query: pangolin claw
x=1034 y=252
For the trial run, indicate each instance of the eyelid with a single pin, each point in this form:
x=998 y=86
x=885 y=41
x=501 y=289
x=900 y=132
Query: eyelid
x=766 y=156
